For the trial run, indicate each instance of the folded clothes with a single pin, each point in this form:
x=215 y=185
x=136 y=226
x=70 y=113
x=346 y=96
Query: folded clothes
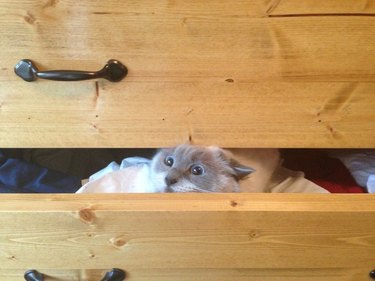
x=125 y=163
x=371 y=184
x=327 y=172
x=361 y=164
x=18 y=176
x=132 y=176
x=271 y=175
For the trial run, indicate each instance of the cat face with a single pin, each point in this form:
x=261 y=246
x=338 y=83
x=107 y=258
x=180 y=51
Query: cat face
x=188 y=168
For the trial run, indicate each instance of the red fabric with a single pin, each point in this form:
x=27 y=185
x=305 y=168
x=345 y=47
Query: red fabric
x=329 y=173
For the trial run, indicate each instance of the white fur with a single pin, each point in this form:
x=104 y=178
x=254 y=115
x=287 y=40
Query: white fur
x=157 y=179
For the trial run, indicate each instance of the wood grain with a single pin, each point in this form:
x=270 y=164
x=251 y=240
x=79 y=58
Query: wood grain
x=321 y=8
x=229 y=114
x=200 y=275
x=235 y=73
x=246 y=235
x=232 y=73
x=177 y=45
x=151 y=202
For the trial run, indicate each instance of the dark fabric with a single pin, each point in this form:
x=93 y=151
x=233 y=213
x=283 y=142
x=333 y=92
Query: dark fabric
x=18 y=176
x=79 y=162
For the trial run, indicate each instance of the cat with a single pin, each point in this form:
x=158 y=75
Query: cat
x=184 y=168
x=189 y=168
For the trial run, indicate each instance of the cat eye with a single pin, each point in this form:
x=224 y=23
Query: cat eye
x=169 y=160
x=197 y=170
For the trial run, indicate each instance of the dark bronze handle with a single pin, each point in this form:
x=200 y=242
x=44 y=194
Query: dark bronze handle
x=113 y=71
x=33 y=275
x=113 y=275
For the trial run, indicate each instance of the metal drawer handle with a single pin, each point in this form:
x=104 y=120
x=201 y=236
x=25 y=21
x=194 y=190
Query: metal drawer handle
x=33 y=275
x=113 y=71
x=113 y=275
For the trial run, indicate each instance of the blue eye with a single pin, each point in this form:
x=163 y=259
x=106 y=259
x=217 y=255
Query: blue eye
x=197 y=170
x=169 y=160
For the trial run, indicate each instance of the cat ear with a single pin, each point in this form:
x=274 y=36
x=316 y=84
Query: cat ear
x=240 y=171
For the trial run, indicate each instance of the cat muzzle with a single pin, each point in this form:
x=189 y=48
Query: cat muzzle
x=170 y=180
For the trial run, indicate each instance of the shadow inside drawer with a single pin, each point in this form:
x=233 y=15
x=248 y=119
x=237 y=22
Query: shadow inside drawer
x=66 y=170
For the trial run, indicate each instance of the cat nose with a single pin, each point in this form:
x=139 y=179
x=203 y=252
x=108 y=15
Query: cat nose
x=170 y=180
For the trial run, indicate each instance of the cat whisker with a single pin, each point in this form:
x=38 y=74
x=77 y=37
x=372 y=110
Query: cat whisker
x=190 y=189
x=202 y=190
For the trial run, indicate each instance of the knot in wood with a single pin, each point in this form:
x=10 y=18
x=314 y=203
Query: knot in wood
x=253 y=234
x=87 y=215
x=233 y=203
x=29 y=18
x=118 y=242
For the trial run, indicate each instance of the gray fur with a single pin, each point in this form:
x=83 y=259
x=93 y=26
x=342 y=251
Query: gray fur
x=221 y=172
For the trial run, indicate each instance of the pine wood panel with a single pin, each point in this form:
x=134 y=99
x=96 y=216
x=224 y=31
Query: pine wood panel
x=174 y=44
x=230 y=114
x=203 y=72
x=246 y=235
x=327 y=7
x=201 y=275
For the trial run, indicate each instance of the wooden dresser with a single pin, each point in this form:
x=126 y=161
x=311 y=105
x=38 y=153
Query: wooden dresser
x=260 y=73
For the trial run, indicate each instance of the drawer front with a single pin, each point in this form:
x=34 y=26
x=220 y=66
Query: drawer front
x=189 y=237
x=235 y=73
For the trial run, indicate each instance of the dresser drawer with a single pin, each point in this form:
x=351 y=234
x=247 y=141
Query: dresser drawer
x=189 y=236
x=234 y=74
